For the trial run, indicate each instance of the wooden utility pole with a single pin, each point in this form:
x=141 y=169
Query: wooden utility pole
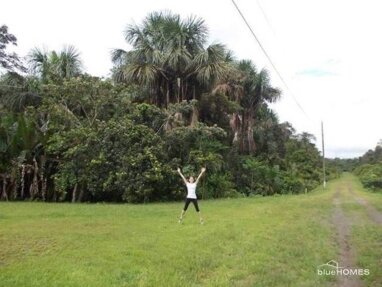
x=323 y=154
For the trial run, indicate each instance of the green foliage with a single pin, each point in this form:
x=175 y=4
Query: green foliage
x=215 y=108
x=80 y=101
x=202 y=146
x=52 y=66
x=204 y=142
x=303 y=160
x=259 y=177
x=18 y=92
x=368 y=168
x=116 y=161
x=292 y=168
x=370 y=175
x=19 y=139
x=218 y=185
x=148 y=115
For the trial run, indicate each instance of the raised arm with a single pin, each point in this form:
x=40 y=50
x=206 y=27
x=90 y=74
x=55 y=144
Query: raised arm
x=200 y=175
x=182 y=176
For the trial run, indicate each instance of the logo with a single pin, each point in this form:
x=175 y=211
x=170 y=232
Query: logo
x=332 y=268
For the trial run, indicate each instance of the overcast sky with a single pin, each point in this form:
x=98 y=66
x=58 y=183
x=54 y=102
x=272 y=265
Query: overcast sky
x=328 y=51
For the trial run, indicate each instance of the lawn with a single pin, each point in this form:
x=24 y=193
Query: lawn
x=260 y=241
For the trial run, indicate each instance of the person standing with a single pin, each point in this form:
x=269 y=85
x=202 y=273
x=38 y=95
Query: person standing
x=191 y=194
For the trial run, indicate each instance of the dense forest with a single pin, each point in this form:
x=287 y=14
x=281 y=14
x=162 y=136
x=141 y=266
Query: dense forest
x=171 y=101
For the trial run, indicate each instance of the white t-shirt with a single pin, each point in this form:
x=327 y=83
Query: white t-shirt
x=191 y=190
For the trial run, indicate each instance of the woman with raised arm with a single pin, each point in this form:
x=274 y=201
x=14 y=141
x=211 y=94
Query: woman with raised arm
x=191 y=194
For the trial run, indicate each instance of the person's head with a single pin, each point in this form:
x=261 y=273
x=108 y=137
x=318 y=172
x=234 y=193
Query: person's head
x=191 y=179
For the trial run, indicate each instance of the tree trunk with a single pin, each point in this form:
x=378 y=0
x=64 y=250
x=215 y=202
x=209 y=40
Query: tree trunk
x=31 y=191
x=235 y=124
x=74 y=193
x=194 y=117
x=247 y=143
x=81 y=195
x=4 y=191
x=181 y=90
x=178 y=84
x=184 y=96
x=185 y=91
x=250 y=139
x=168 y=95
x=22 y=180
x=43 y=180
x=14 y=193
x=242 y=135
x=44 y=188
x=34 y=186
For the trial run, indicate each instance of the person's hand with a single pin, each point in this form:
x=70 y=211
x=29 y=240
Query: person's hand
x=203 y=169
x=178 y=169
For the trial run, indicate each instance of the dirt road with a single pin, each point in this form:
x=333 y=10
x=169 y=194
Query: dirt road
x=343 y=221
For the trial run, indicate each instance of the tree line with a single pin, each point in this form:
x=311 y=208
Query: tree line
x=368 y=168
x=171 y=100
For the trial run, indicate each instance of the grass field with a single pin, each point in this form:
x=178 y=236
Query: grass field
x=264 y=241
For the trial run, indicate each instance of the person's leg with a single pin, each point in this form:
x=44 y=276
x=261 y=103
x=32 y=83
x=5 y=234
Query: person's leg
x=182 y=215
x=187 y=202
x=201 y=220
x=195 y=202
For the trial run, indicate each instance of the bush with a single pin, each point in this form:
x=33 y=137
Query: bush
x=218 y=185
x=370 y=175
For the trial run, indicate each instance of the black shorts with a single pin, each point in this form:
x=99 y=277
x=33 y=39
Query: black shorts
x=194 y=201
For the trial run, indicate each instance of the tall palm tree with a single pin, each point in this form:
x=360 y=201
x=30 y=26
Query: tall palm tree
x=55 y=66
x=251 y=89
x=170 y=57
x=257 y=90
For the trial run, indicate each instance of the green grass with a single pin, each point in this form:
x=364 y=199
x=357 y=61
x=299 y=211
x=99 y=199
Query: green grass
x=271 y=241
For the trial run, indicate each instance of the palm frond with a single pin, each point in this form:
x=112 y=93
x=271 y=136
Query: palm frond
x=210 y=65
x=118 y=56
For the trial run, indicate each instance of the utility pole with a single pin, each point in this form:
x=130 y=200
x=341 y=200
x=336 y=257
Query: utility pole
x=323 y=153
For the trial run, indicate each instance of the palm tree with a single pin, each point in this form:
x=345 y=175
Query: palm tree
x=39 y=63
x=53 y=66
x=21 y=149
x=251 y=89
x=17 y=92
x=69 y=62
x=170 y=57
x=257 y=90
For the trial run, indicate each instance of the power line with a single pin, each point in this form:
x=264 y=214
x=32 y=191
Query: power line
x=265 y=16
x=269 y=59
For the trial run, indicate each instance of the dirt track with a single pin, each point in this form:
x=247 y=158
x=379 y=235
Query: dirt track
x=373 y=213
x=343 y=224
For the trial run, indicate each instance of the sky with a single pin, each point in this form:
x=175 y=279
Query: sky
x=328 y=52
